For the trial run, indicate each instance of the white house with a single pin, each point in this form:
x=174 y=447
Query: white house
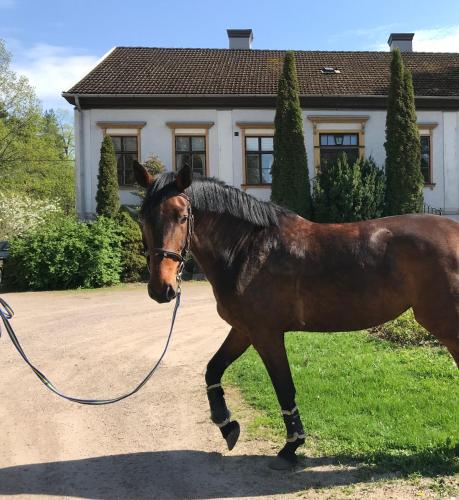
x=214 y=108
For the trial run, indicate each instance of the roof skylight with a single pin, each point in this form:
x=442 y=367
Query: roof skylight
x=329 y=70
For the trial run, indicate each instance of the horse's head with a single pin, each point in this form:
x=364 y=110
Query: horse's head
x=167 y=225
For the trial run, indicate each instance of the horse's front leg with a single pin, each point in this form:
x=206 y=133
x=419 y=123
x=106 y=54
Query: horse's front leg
x=272 y=352
x=234 y=345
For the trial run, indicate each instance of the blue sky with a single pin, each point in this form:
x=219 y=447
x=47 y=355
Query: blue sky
x=54 y=42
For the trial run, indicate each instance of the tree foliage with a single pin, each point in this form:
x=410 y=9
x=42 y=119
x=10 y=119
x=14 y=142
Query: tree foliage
x=290 y=177
x=20 y=213
x=154 y=165
x=36 y=153
x=403 y=147
x=347 y=193
x=107 y=196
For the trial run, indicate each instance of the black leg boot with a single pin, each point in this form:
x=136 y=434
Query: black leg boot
x=286 y=458
x=221 y=416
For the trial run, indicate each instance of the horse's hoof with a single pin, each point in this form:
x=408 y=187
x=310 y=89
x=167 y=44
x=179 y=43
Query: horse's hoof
x=281 y=463
x=231 y=434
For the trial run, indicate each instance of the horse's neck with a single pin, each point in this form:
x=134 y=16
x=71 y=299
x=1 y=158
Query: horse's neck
x=204 y=245
x=214 y=238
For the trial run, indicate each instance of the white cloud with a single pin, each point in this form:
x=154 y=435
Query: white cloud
x=437 y=40
x=370 y=33
x=445 y=39
x=52 y=70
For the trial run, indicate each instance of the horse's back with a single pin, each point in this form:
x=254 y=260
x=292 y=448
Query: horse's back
x=355 y=275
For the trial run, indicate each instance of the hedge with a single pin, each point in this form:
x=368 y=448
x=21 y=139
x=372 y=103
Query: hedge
x=64 y=254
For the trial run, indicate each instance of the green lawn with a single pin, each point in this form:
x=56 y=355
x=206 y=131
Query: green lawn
x=364 y=399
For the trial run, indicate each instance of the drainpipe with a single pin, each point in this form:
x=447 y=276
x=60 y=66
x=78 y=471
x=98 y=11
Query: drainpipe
x=77 y=102
x=80 y=173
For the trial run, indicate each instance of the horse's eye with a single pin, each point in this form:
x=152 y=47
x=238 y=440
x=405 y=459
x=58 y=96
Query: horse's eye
x=183 y=218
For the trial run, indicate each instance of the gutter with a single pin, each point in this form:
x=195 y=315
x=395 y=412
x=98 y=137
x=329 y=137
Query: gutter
x=335 y=96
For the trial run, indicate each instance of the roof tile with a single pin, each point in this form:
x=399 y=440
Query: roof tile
x=162 y=71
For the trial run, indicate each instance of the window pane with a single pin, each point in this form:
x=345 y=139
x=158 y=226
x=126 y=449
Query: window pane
x=352 y=155
x=354 y=139
x=129 y=179
x=323 y=140
x=182 y=143
x=253 y=169
x=425 y=144
x=266 y=177
x=425 y=158
x=251 y=143
x=199 y=163
x=266 y=143
x=198 y=144
x=425 y=170
x=181 y=159
x=130 y=144
x=116 y=143
x=266 y=164
x=347 y=140
x=331 y=155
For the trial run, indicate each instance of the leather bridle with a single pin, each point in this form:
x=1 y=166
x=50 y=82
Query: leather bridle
x=182 y=256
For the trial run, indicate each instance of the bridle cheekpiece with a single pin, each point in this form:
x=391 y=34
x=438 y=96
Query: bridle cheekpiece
x=183 y=255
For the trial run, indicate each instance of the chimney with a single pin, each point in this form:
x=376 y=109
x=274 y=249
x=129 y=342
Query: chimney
x=402 y=41
x=240 y=39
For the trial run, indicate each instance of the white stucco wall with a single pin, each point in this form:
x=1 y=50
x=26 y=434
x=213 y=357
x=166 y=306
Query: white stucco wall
x=225 y=152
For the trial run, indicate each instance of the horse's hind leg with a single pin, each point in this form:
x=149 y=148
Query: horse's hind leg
x=235 y=344
x=274 y=356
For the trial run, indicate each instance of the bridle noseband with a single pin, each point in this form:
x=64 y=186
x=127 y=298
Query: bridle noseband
x=182 y=256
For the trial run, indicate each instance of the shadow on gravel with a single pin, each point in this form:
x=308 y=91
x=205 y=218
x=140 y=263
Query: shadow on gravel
x=175 y=474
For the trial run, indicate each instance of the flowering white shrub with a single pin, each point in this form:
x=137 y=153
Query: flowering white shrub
x=19 y=212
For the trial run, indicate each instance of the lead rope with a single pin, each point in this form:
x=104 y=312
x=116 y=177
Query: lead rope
x=7 y=313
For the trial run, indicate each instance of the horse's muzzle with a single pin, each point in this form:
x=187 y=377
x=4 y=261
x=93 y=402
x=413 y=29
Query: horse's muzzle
x=167 y=293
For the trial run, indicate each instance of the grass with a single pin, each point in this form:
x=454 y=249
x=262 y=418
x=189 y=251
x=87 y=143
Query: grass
x=364 y=399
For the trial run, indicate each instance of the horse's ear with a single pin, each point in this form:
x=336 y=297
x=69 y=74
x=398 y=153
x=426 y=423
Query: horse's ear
x=184 y=178
x=142 y=175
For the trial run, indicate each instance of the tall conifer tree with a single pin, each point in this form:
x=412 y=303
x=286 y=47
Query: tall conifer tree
x=403 y=148
x=290 y=177
x=107 y=197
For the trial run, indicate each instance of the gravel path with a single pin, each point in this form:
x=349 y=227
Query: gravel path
x=158 y=444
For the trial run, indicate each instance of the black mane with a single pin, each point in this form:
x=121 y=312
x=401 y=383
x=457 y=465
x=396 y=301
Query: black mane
x=208 y=194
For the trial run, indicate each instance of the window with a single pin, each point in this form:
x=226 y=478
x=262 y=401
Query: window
x=126 y=151
x=191 y=149
x=332 y=146
x=337 y=134
x=258 y=159
x=426 y=159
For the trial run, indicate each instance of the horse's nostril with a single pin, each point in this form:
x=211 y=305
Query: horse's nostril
x=170 y=292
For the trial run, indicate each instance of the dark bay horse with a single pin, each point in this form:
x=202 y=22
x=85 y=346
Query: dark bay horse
x=272 y=271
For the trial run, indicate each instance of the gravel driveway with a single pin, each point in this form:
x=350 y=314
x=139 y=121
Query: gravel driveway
x=158 y=444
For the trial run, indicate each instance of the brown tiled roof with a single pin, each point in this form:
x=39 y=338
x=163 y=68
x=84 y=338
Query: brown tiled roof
x=160 y=71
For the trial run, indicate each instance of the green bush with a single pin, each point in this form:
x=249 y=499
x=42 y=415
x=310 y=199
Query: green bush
x=64 y=254
x=104 y=247
x=373 y=189
x=405 y=331
x=133 y=264
x=346 y=192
